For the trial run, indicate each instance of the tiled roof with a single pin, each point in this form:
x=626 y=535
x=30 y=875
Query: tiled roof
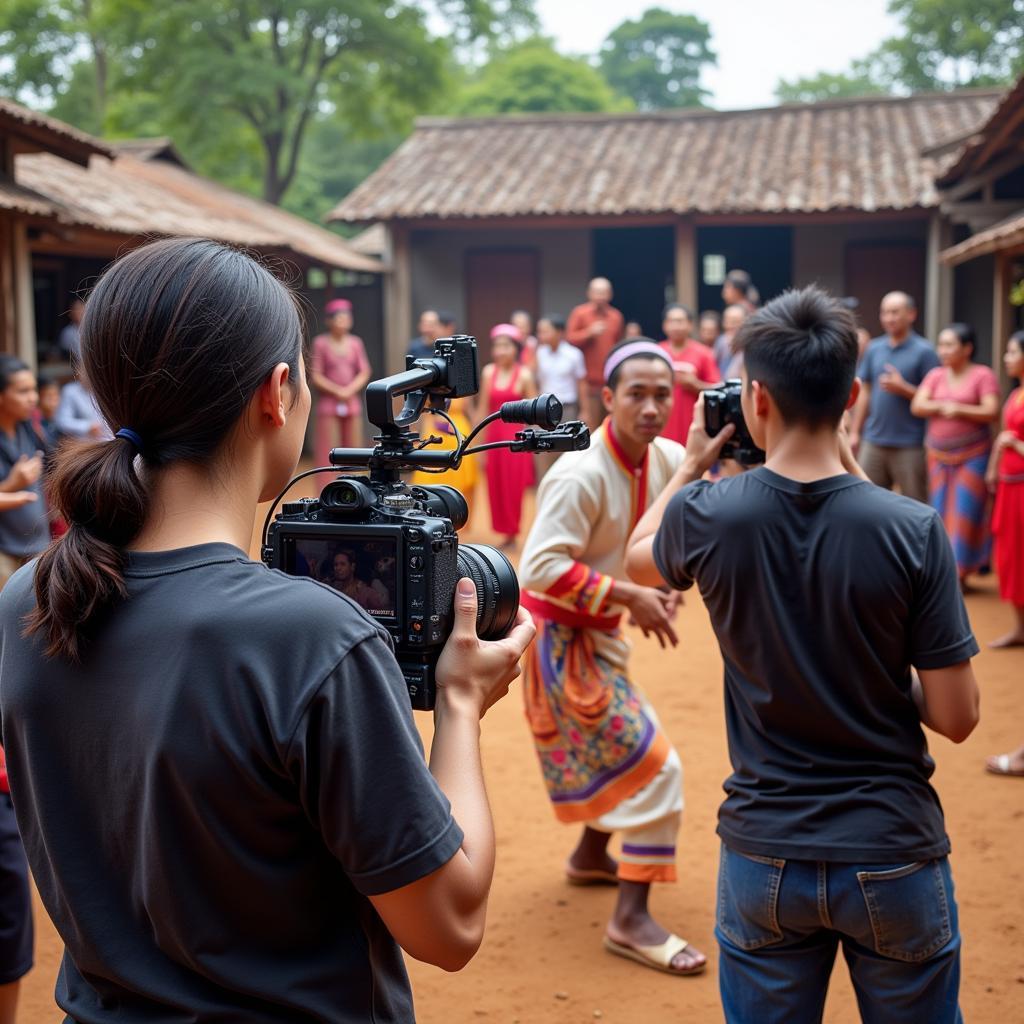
x=23 y=200
x=138 y=198
x=863 y=154
x=48 y=133
x=1004 y=235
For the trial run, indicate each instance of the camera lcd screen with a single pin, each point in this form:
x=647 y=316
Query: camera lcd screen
x=366 y=570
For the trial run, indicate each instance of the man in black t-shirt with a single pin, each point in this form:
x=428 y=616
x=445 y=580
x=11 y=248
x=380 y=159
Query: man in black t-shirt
x=823 y=591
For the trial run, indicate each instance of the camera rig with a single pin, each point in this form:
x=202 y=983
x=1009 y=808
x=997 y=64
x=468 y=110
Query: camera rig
x=430 y=383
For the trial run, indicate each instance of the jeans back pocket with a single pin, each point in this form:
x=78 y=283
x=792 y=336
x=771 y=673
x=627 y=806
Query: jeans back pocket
x=909 y=909
x=748 y=898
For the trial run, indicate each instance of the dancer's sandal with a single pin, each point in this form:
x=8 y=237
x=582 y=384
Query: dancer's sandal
x=1000 y=765
x=658 y=958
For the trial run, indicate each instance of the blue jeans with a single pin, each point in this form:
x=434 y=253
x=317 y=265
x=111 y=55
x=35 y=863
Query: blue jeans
x=780 y=922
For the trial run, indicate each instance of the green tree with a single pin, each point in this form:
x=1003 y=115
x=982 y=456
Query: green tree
x=533 y=77
x=657 y=60
x=239 y=82
x=826 y=86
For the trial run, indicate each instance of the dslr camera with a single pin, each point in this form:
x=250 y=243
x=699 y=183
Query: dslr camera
x=722 y=406
x=394 y=549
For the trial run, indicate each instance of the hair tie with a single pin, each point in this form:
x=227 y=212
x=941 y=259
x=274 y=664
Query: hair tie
x=129 y=435
x=621 y=353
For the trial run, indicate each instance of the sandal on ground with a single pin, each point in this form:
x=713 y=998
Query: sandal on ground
x=1000 y=765
x=658 y=958
x=590 y=876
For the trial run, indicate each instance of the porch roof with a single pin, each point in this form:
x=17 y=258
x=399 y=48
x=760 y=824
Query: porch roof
x=843 y=155
x=34 y=131
x=1007 y=234
x=156 y=197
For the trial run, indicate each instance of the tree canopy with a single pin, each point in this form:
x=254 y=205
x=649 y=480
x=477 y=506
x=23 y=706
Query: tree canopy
x=657 y=60
x=942 y=44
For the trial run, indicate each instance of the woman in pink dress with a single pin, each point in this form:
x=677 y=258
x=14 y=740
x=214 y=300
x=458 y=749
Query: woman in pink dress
x=509 y=473
x=960 y=400
x=339 y=371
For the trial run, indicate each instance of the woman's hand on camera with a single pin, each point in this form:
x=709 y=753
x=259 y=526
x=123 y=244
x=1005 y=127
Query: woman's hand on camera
x=477 y=673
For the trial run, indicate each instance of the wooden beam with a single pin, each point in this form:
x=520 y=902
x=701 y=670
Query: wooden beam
x=686 y=264
x=938 y=306
x=985 y=213
x=1011 y=161
x=397 y=298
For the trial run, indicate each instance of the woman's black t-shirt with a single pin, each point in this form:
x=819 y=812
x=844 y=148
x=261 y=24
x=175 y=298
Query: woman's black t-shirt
x=208 y=801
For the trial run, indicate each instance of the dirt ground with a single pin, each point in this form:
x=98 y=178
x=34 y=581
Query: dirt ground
x=542 y=961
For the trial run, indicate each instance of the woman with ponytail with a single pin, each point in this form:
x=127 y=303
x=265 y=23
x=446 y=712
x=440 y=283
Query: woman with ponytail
x=221 y=790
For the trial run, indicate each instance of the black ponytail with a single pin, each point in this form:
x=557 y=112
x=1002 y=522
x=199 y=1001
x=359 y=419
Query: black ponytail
x=176 y=339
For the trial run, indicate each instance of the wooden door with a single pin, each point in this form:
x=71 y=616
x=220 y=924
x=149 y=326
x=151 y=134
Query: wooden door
x=873 y=269
x=497 y=282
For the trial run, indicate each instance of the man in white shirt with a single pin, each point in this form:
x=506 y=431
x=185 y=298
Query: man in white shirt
x=78 y=415
x=560 y=369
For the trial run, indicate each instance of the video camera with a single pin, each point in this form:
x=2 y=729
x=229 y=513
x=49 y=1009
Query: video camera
x=722 y=406
x=394 y=548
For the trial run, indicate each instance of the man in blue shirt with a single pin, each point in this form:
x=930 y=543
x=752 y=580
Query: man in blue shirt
x=891 y=441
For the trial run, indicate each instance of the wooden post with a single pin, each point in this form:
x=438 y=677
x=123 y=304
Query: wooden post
x=25 y=313
x=8 y=318
x=1001 y=313
x=397 y=298
x=938 y=306
x=686 y=264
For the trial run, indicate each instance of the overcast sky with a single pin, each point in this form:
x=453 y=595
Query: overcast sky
x=757 y=41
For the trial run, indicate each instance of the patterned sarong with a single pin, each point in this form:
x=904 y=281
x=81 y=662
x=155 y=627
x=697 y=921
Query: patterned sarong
x=956 y=478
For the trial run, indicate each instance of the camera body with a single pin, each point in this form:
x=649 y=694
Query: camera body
x=390 y=553
x=722 y=406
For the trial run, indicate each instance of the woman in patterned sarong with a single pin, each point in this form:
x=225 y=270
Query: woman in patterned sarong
x=960 y=399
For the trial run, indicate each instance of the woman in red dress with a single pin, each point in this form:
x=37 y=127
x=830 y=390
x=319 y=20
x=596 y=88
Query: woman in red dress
x=509 y=473
x=1006 y=475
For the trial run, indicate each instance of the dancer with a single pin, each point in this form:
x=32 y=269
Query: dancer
x=606 y=762
x=508 y=473
x=1006 y=477
x=959 y=399
x=339 y=370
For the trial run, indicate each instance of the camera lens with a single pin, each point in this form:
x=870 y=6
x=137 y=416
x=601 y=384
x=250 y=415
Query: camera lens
x=443 y=500
x=497 y=589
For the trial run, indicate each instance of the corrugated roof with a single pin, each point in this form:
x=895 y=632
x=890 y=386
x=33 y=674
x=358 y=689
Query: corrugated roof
x=50 y=134
x=863 y=154
x=133 y=197
x=1004 y=235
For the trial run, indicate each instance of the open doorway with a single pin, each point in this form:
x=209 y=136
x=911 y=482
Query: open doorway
x=640 y=263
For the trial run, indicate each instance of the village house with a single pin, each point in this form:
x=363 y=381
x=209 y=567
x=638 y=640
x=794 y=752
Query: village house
x=485 y=215
x=69 y=204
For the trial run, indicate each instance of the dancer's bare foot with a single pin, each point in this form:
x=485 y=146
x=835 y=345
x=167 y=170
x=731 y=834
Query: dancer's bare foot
x=591 y=857
x=1015 y=638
